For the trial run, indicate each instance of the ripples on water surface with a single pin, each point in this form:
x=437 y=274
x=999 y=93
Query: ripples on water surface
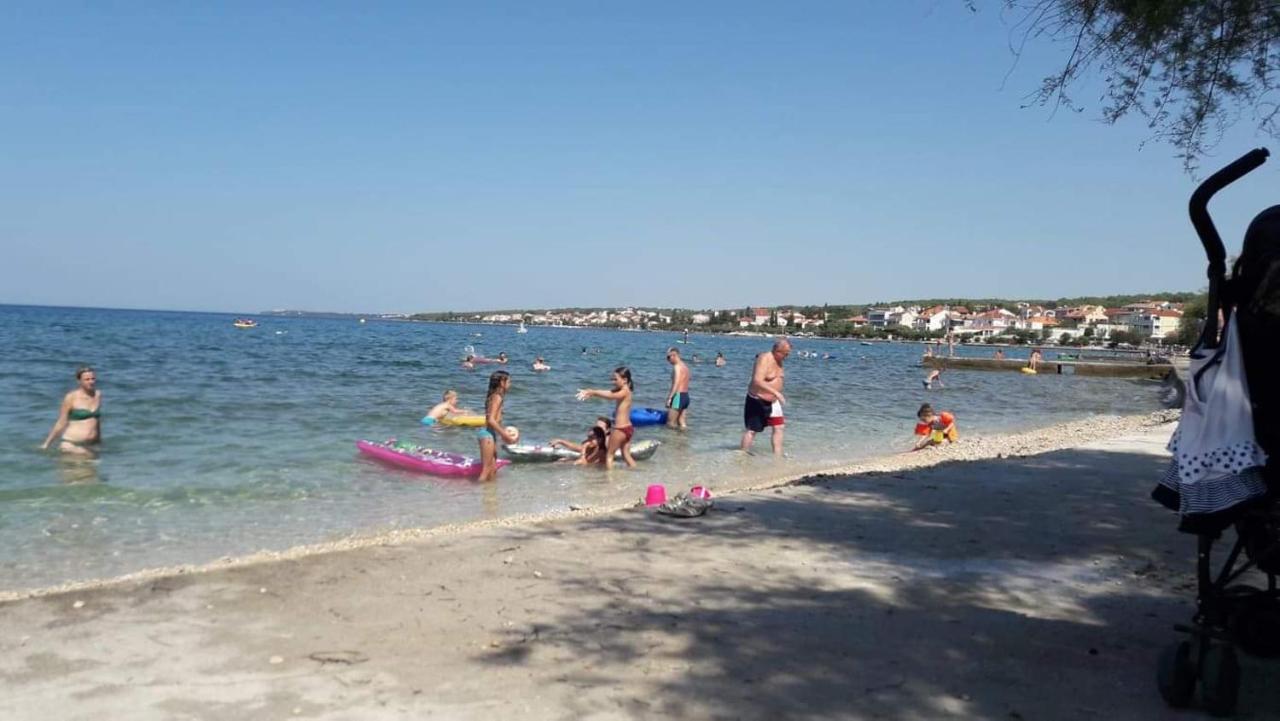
x=222 y=441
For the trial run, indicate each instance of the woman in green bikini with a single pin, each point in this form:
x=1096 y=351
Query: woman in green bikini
x=79 y=424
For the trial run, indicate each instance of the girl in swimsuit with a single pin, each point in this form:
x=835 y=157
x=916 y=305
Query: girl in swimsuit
x=592 y=448
x=79 y=424
x=499 y=383
x=620 y=436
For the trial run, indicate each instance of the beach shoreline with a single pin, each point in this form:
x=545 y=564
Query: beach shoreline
x=1029 y=576
x=995 y=446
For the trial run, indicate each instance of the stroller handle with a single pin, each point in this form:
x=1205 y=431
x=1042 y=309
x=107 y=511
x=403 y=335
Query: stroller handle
x=1209 y=238
x=1199 y=205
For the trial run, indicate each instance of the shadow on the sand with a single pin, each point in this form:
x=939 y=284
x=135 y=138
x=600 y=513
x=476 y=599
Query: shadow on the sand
x=1052 y=602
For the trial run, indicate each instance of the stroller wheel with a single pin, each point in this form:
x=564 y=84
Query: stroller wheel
x=1219 y=680
x=1175 y=676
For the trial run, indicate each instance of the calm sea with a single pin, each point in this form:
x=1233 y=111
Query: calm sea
x=220 y=441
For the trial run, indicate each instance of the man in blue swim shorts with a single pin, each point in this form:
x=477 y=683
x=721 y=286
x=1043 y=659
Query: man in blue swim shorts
x=678 y=398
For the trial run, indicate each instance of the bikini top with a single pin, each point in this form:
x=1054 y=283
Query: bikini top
x=83 y=414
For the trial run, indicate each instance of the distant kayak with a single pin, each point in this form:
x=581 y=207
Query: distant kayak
x=538 y=453
x=423 y=460
x=648 y=417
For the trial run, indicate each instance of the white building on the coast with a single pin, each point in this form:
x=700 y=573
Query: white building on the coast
x=934 y=319
x=992 y=322
x=1156 y=324
x=700 y=319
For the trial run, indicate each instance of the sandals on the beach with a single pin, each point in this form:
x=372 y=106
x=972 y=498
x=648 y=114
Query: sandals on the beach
x=685 y=506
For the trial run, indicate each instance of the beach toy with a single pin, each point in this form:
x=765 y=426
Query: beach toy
x=423 y=460
x=534 y=452
x=515 y=432
x=700 y=492
x=465 y=421
x=1028 y=371
x=648 y=417
x=656 y=495
x=537 y=453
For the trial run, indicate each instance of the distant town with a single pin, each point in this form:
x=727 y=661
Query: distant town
x=1165 y=318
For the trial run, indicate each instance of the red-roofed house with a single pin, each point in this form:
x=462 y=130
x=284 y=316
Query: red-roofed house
x=992 y=322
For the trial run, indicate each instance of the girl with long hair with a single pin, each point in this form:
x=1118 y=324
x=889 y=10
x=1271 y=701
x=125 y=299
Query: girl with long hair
x=499 y=384
x=620 y=435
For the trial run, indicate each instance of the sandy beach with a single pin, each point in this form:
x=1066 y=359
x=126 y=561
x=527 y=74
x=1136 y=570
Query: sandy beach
x=1013 y=577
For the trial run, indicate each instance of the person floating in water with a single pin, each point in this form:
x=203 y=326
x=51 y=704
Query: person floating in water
x=502 y=358
x=540 y=365
x=448 y=406
x=720 y=361
x=79 y=425
x=678 y=396
x=935 y=428
x=469 y=363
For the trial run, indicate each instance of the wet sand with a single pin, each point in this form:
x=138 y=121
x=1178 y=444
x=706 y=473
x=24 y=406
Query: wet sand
x=945 y=584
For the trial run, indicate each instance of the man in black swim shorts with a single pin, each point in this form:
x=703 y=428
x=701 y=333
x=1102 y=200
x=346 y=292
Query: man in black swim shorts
x=763 y=407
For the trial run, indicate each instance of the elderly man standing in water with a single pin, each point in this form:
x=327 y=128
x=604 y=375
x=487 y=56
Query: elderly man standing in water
x=764 y=397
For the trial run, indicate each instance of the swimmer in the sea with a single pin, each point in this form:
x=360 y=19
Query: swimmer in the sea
x=448 y=406
x=79 y=425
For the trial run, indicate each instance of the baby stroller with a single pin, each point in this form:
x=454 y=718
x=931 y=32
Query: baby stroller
x=1231 y=614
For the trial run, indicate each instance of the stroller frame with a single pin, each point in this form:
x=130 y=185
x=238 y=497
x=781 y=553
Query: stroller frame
x=1229 y=615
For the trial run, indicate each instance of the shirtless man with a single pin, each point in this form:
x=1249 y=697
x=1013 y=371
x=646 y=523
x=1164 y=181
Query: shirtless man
x=678 y=398
x=764 y=397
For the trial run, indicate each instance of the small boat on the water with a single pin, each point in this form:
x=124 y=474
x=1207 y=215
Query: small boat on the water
x=245 y=323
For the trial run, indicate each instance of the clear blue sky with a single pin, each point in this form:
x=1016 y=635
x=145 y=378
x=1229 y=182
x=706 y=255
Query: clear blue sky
x=433 y=156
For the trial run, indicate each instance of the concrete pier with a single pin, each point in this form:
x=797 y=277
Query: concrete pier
x=1055 y=367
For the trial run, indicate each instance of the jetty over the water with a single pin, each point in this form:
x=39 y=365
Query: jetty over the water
x=1058 y=367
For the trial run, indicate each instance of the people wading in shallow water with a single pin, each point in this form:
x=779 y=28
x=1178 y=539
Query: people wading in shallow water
x=620 y=435
x=678 y=397
x=79 y=425
x=764 y=397
x=499 y=384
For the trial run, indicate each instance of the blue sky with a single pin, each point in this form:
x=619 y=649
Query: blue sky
x=431 y=156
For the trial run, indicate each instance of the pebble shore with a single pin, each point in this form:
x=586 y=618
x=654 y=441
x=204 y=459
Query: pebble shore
x=975 y=448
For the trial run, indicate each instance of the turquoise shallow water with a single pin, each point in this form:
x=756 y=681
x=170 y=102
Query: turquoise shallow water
x=221 y=441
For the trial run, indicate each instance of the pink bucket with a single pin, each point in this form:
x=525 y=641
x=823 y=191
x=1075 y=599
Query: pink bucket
x=656 y=495
x=700 y=492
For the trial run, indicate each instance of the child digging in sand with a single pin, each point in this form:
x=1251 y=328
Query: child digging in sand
x=934 y=428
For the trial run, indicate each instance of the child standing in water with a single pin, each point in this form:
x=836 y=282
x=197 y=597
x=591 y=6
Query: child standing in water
x=934 y=428
x=499 y=383
x=622 y=432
